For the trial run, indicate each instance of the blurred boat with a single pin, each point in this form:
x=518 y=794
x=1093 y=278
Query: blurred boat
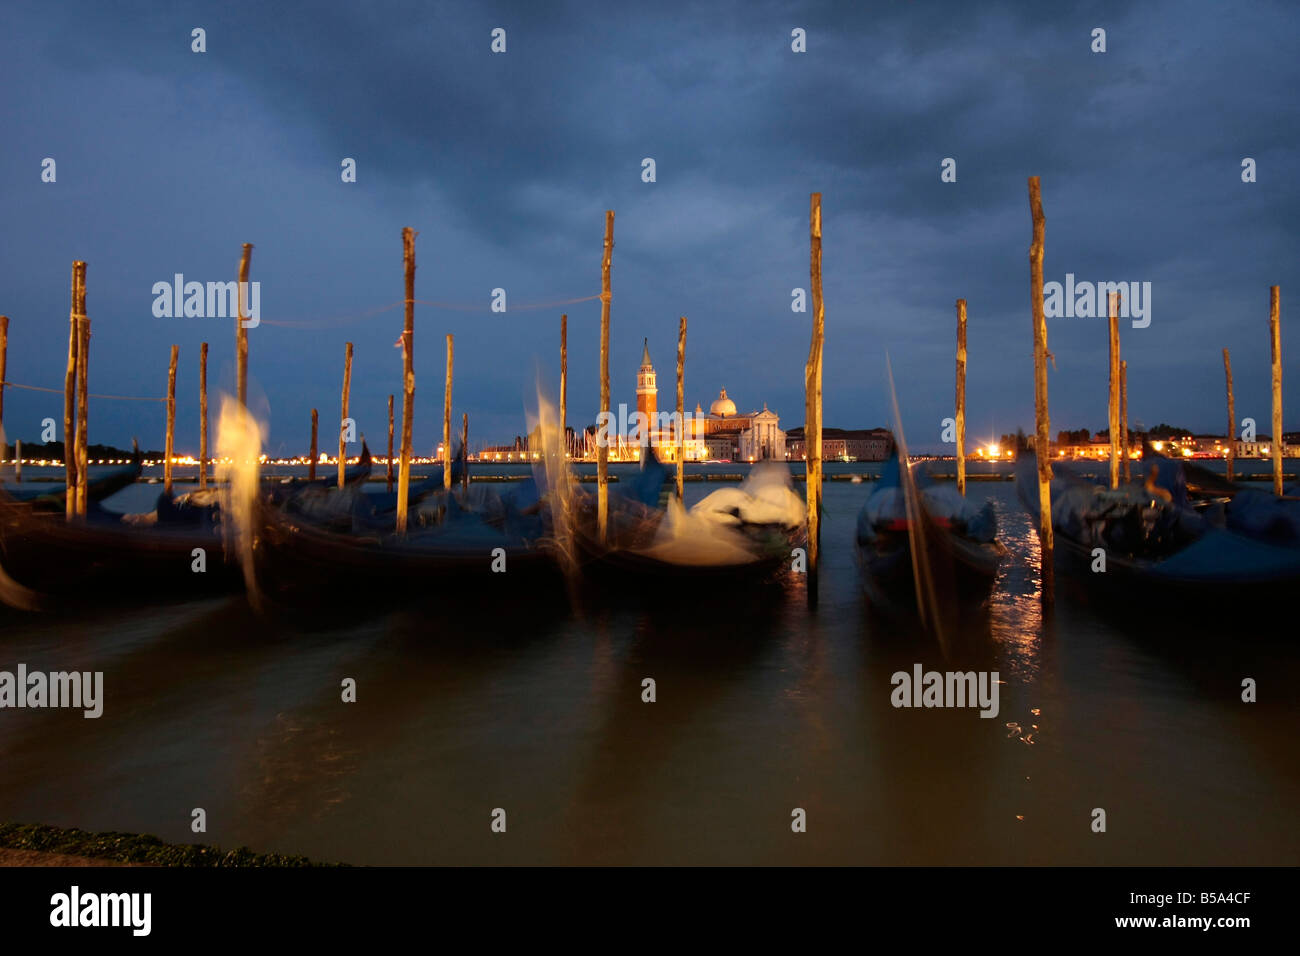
x=297 y=558
x=1158 y=539
x=1251 y=511
x=48 y=560
x=742 y=534
x=352 y=475
x=920 y=542
x=457 y=544
x=54 y=497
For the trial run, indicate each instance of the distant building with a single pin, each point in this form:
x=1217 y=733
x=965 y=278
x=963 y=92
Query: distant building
x=842 y=444
x=723 y=445
x=751 y=437
x=722 y=434
x=503 y=453
x=1092 y=450
x=1181 y=446
x=1262 y=447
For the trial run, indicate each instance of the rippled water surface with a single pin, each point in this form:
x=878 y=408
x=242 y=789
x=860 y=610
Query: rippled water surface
x=762 y=707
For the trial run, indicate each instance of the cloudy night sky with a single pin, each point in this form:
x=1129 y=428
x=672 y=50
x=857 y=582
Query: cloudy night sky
x=168 y=160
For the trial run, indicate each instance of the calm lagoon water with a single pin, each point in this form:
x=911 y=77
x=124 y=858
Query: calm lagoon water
x=762 y=707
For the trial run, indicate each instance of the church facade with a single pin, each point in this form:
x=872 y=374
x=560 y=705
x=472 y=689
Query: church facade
x=723 y=434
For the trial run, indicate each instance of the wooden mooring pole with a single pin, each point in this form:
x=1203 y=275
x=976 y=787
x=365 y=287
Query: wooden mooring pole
x=169 y=442
x=203 y=415
x=564 y=395
x=1123 y=415
x=961 y=397
x=4 y=357
x=1112 y=408
x=1042 y=420
x=446 y=417
x=602 y=447
x=311 y=459
x=1232 y=415
x=813 y=398
x=243 y=293
x=408 y=377
x=681 y=409
x=343 y=419
x=464 y=445
x=1275 y=343
x=389 y=458
x=83 y=405
x=70 y=398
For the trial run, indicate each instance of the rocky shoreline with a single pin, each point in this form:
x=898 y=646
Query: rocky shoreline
x=40 y=845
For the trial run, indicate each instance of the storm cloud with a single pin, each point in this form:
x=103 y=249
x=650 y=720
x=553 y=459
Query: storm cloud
x=168 y=160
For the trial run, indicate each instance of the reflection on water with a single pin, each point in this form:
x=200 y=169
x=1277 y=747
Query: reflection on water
x=1016 y=607
x=760 y=708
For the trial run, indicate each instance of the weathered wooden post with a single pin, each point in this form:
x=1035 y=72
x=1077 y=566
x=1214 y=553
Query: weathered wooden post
x=1123 y=414
x=1042 y=420
x=813 y=398
x=602 y=449
x=311 y=459
x=389 y=459
x=4 y=354
x=961 y=397
x=203 y=415
x=408 y=377
x=242 y=293
x=169 y=444
x=564 y=396
x=1232 y=415
x=464 y=444
x=69 y=398
x=1275 y=337
x=681 y=409
x=343 y=420
x=1113 y=405
x=83 y=405
x=446 y=418
x=18 y=460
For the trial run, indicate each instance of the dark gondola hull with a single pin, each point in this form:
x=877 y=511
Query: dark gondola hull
x=631 y=568
x=899 y=535
x=1215 y=567
x=296 y=561
x=627 y=562
x=961 y=568
x=1209 y=577
x=64 y=561
x=53 y=497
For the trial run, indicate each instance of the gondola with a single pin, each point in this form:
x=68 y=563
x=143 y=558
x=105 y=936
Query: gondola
x=48 y=497
x=1251 y=511
x=733 y=536
x=48 y=560
x=350 y=545
x=177 y=550
x=303 y=557
x=352 y=475
x=919 y=542
x=1156 y=541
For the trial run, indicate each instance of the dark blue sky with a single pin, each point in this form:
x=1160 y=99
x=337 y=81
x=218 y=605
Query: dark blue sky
x=168 y=160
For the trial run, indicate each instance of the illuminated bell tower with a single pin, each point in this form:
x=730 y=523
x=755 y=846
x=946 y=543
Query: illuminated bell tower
x=647 y=402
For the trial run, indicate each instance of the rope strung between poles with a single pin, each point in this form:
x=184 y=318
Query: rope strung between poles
x=59 y=391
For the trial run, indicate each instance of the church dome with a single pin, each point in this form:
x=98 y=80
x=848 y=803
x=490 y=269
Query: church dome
x=723 y=407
